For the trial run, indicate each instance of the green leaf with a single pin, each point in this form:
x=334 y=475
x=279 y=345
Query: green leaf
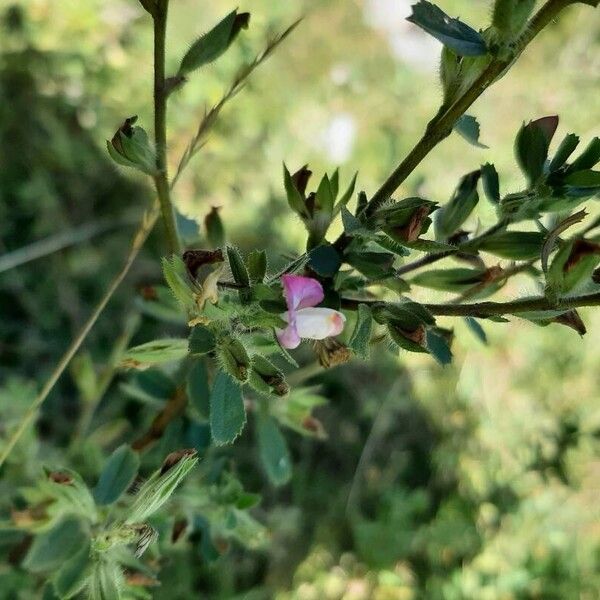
x=401 y=338
x=117 y=475
x=531 y=146
x=273 y=450
x=325 y=197
x=587 y=178
x=449 y=280
x=453 y=33
x=175 y=274
x=516 y=245
x=198 y=390
x=477 y=329
x=52 y=548
x=212 y=44
x=324 y=260
x=155 y=352
x=375 y=265
x=361 y=336
x=351 y=224
x=72 y=575
x=407 y=314
x=238 y=268
x=202 y=340
x=490 y=183
x=588 y=158
x=227 y=412
x=467 y=127
x=257 y=265
x=566 y=148
x=450 y=217
x=438 y=346
x=294 y=197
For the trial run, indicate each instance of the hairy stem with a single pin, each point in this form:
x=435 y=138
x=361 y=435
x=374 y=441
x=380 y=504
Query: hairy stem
x=161 y=179
x=491 y=309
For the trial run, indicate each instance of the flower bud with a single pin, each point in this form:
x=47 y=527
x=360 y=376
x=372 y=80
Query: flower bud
x=234 y=358
x=130 y=147
x=267 y=378
x=406 y=220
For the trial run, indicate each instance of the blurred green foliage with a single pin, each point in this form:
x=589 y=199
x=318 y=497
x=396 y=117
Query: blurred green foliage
x=476 y=480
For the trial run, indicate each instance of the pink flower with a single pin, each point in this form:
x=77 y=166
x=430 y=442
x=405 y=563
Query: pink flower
x=302 y=294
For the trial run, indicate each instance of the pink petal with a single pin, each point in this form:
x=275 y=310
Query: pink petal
x=301 y=292
x=288 y=337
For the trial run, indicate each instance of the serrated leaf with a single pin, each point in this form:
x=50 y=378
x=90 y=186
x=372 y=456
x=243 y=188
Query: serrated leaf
x=227 y=412
x=454 y=34
x=213 y=44
x=273 y=450
x=117 y=475
x=361 y=336
x=468 y=128
x=52 y=548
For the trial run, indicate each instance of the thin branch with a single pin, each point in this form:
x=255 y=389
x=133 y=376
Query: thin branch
x=492 y=309
x=138 y=240
x=60 y=241
x=236 y=85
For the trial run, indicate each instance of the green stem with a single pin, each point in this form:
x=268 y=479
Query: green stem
x=161 y=180
x=491 y=309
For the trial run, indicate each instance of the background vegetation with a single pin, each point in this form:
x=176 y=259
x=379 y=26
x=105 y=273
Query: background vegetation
x=476 y=480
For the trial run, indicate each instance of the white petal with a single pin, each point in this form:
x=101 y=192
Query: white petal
x=319 y=323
